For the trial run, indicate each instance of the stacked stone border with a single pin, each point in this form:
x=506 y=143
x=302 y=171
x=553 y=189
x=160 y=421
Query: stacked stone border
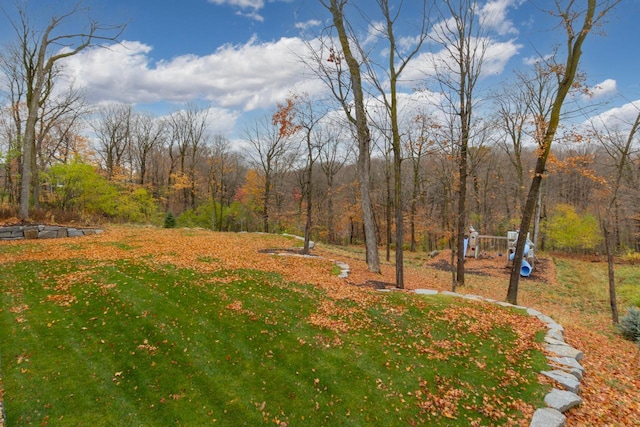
x=19 y=232
x=563 y=360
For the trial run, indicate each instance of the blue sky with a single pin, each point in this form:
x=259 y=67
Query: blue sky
x=240 y=56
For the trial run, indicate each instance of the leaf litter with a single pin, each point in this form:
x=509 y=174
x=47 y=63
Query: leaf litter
x=610 y=389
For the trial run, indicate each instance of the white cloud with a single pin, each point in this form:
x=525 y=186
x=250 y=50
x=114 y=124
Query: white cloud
x=252 y=5
x=242 y=4
x=533 y=60
x=493 y=15
x=248 y=8
x=603 y=89
x=222 y=121
x=496 y=57
x=618 y=118
x=238 y=77
x=375 y=31
x=312 y=23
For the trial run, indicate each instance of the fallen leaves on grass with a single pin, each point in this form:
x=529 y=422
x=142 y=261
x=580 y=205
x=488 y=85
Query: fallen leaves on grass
x=611 y=387
x=19 y=308
x=63 y=300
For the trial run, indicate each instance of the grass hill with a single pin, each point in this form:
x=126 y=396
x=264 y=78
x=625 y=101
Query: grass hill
x=190 y=327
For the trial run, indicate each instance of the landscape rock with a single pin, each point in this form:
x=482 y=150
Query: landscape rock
x=426 y=292
x=554 y=341
x=505 y=304
x=556 y=334
x=48 y=234
x=546 y=319
x=566 y=362
x=556 y=326
x=562 y=400
x=30 y=233
x=564 y=379
x=548 y=417
x=565 y=350
x=74 y=232
x=533 y=312
x=452 y=294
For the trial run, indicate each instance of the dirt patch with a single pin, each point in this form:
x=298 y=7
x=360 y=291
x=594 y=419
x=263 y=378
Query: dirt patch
x=286 y=251
x=377 y=284
x=495 y=266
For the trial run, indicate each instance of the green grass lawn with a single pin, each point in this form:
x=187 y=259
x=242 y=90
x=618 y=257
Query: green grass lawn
x=127 y=342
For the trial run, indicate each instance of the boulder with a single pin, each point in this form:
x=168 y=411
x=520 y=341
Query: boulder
x=548 y=417
x=74 y=232
x=562 y=400
x=451 y=294
x=565 y=351
x=426 y=292
x=564 y=379
x=31 y=233
x=556 y=334
x=566 y=362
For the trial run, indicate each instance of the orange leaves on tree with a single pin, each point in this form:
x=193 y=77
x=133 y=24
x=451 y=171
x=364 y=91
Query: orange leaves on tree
x=285 y=116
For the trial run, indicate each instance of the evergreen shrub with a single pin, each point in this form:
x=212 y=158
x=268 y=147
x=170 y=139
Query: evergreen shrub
x=630 y=324
x=169 y=220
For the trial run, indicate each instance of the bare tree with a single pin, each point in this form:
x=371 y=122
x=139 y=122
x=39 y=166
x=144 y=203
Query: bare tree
x=39 y=64
x=13 y=119
x=273 y=154
x=570 y=14
x=188 y=131
x=461 y=35
x=307 y=117
x=148 y=133
x=113 y=133
x=619 y=149
x=332 y=160
x=399 y=58
x=347 y=88
x=512 y=118
x=58 y=127
x=218 y=168
x=419 y=143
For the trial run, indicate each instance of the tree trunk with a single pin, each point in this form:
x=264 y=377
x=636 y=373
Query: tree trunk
x=387 y=176
x=460 y=223
x=536 y=220
x=564 y=85
x=611 y=273
x=364 y=138
x=532 y=198
x=265 y=205
x=307 y=226
x=330 y=231
x=397 y=198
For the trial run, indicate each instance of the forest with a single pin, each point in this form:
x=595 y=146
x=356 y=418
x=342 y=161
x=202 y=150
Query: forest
x=413 y=171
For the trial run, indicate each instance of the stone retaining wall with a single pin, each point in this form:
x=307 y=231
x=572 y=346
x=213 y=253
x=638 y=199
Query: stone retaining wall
x=18 y=232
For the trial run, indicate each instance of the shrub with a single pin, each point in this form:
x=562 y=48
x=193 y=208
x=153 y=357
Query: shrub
x=630 y=324
x=169 y=220
x=192 y=218
x=569 y=230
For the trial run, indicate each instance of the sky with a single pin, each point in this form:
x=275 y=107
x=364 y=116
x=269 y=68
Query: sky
x=240 y=58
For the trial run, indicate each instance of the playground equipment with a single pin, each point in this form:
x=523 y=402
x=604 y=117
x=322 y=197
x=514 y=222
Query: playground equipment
x=527 y=259
x=471 y=244
x=474 y=241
